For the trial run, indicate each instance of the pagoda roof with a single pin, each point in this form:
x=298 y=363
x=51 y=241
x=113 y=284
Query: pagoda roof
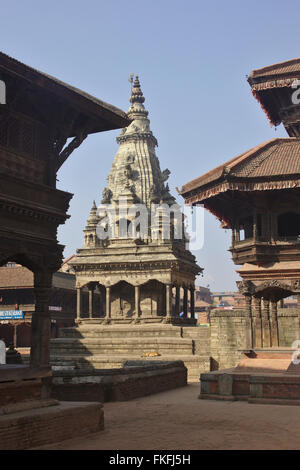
x=105 y=116
x=263 y=80
x=272 y=165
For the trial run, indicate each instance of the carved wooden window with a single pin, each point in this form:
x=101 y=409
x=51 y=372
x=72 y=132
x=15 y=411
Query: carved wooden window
x=27 y=138
x=14 y=133
x=18 y=134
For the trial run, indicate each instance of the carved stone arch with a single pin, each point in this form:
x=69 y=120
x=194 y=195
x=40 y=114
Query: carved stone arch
x=273 y=290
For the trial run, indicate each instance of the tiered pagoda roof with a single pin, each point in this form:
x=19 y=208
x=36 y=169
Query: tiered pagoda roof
x=272 y=165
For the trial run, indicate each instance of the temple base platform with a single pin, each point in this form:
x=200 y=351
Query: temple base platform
x=29 y=417
x=267 y=375
x=94 y=345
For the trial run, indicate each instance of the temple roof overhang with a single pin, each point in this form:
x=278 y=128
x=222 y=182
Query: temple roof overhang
x=265 y=80
x=102 y=116
x=273 y=165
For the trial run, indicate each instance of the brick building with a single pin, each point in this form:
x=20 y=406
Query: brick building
x=17 y=302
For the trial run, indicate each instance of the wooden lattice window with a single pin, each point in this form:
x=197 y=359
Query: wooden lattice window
x=21 y=136
x=27 y=138
x=14 y=133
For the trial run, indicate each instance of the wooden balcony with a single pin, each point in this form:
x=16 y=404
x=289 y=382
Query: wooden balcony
x=261 y=250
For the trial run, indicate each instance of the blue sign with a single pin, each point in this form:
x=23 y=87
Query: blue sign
x=10 y=314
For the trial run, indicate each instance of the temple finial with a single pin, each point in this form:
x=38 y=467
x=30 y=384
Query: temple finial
x=136 y=92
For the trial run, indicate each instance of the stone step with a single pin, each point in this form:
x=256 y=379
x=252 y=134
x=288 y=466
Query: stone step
x=200 y=332
x=90 y=346
x=194 y=364
x=130 y=331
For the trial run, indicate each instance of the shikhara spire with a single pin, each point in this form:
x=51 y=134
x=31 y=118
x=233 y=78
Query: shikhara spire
x=136 y=166
x=134 y=254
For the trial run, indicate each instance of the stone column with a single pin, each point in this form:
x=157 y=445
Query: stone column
x=248 y=321
x=108 y=306
x=177 y=302
x=192 y=301
x=185 y=302
x=266 y=324
x=274 y=324
x=40 y=323
x=78 y=303
x=168 y=301
x=137 y=301
x=91 y=300
x=257 y=329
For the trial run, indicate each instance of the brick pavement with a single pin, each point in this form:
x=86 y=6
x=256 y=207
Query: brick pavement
x=178 y=420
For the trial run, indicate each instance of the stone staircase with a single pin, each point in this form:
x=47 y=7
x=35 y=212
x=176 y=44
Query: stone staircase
x=97 y=346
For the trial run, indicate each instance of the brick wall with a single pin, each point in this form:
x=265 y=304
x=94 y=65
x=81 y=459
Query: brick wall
x=227 y=335
x=118 y=384
x=48 y=425
x=288 y=327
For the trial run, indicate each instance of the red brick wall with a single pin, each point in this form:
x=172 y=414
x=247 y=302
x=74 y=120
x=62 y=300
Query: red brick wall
x=49 y=425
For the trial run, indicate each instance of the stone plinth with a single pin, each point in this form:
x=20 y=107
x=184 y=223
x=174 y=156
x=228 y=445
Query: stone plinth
x=135 y=379
x=262 y=376
x=97 y=346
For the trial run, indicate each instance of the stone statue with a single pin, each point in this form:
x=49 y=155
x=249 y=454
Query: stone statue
x=106 y=196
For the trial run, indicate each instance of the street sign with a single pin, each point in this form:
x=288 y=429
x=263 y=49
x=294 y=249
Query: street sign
x=11 y=314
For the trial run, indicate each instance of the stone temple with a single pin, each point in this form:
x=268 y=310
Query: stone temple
x=136 y=263
x=135 y=267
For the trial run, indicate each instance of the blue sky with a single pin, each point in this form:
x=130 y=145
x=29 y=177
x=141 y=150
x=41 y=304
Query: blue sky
x=192 y=58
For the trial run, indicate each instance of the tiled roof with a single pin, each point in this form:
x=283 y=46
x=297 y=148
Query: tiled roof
x=282 y=68
x=19 y=277
x=276 y=159
x=280 y=158
x=15 y=277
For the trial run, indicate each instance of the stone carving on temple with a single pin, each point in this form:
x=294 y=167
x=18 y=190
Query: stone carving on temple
x=135 y=269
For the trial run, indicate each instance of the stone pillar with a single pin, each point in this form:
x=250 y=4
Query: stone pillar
x=40 y=323
x=266 y=324
x=248 y=321
x=78 y=303
x=177 y=302
x=185 y=302
x=168 y=301
x=274 y=324
x=108 y=306
x=257 y=326
x=137 y=301
x=192 y=301
x=91 y=300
